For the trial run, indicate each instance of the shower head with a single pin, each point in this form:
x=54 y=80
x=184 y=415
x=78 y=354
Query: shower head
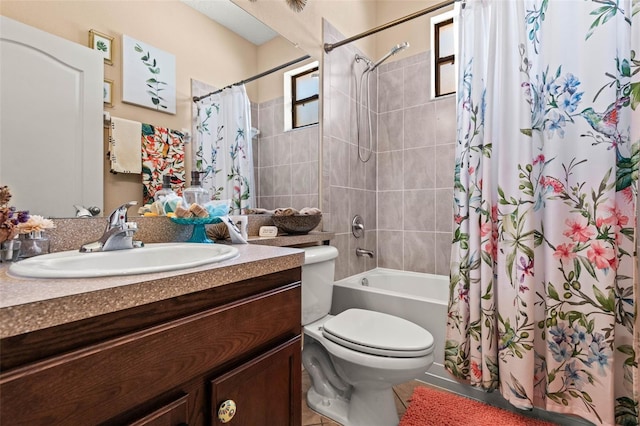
x=399 y=47
x=364 y=59
x=395 y=49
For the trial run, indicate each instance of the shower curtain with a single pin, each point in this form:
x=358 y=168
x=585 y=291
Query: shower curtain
x=544 y=275
x=223 y=150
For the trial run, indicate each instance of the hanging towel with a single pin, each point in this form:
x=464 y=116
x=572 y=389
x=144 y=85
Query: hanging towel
x=124 y=146
x=162 y=154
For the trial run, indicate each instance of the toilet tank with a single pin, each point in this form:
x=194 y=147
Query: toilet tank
x=317 y=282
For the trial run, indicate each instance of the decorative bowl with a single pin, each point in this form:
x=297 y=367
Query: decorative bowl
x=199 y=234
x=196 y=220
x=297 y=224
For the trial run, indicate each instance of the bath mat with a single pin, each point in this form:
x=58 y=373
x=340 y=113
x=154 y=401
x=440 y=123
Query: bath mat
x=431 y=407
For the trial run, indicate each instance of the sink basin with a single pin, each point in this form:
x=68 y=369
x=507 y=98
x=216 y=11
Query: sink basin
x=147 y=259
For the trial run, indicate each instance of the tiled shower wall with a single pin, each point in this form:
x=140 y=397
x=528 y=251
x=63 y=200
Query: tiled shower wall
x=348 y=185
x=404 y=193
x=286 y=163
x=416 y=149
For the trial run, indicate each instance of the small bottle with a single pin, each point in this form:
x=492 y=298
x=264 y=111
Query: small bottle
x=166 y=188
x=196 y=193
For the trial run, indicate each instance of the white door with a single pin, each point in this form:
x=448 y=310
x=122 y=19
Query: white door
x=51 y=143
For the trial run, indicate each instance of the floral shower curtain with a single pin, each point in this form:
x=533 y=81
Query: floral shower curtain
x=544 y=276
x=223 y=150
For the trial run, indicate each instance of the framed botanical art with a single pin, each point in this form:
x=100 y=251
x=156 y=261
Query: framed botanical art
x=102 y=43
x=107 y=92
x=148 y=76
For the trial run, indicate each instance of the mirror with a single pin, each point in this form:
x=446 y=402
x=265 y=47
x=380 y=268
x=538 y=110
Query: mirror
x=205 y=51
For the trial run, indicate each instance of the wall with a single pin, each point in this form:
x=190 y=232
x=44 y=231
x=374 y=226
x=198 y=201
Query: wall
x=416 y=156
x=348 y=185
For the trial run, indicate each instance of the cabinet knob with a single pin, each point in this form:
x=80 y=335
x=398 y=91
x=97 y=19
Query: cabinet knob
x=226 y=411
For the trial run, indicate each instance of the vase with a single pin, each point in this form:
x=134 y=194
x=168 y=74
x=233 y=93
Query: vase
x=10 y=250
x=34 y=244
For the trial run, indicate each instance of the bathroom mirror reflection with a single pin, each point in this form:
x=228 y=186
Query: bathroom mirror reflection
x=205 y=51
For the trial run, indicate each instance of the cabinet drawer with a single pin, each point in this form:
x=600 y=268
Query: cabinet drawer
x=265 y=390
x=101 y=381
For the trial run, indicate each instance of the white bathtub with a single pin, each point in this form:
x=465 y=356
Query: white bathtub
x=416 y=297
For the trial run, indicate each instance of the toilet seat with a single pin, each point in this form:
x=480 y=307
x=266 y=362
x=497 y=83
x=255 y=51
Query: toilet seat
x=376 y=333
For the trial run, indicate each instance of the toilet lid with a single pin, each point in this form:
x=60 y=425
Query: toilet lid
x=376 y=333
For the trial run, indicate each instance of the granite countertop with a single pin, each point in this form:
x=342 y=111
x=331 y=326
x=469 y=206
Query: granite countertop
x=31 y=304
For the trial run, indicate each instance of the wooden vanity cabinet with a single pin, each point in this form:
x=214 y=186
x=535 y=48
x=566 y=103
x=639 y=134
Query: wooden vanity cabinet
x=166 y=367
x=263 y=389
x=174 y=413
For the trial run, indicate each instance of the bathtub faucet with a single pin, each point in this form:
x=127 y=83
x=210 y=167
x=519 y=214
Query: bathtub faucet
x=362 y=253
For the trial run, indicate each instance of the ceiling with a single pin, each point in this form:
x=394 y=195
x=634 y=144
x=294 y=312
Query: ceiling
x=234 y=18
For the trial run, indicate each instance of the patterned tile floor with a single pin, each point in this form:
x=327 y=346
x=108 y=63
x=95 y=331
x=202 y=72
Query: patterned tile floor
x=311 y=418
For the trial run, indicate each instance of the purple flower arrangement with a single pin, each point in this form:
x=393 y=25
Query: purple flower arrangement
x=10 y=218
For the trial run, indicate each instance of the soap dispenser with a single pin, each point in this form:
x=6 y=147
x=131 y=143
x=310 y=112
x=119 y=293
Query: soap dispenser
x=196 y=193
x=166 y=188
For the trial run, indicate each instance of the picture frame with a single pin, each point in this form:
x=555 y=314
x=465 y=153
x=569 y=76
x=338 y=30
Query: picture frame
x=102 y=43
x=148 y=76
x=107 y=92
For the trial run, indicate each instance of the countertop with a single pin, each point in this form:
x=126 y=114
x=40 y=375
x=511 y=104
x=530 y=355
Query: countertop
x=31 y=304
x=287 y=240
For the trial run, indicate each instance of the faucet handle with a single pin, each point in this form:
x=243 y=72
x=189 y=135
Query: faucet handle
x=357 y=226
x=119 y=216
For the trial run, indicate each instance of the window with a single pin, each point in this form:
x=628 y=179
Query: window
x=301 y=92
x=443 y=54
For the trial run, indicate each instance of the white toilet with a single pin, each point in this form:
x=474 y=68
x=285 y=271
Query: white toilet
x=354 y=358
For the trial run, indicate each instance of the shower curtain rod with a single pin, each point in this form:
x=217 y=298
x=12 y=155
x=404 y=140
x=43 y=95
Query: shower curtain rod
x=328 y=47
x=255 y=77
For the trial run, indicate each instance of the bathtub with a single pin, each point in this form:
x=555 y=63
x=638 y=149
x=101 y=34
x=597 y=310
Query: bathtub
x=416 y=297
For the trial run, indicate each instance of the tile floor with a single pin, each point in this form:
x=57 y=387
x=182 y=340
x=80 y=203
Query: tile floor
x=311 y=418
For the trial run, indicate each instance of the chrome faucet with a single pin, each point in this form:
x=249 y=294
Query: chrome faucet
x=119 y=233
x=82 y=211
x=364 y=253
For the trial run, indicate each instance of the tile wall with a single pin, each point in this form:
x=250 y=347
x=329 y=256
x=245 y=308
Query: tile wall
x=404 y=192
x=348 y=185
x=286 y=163
x=416 y=156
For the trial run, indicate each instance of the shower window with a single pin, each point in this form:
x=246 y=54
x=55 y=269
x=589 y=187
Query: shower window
x=443 y=49
x=301 y=96
x=444 y=58
x=305 y=98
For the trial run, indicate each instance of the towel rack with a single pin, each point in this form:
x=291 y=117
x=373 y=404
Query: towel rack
x=106 y=117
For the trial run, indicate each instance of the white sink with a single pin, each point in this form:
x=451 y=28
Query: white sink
x=143 y=260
